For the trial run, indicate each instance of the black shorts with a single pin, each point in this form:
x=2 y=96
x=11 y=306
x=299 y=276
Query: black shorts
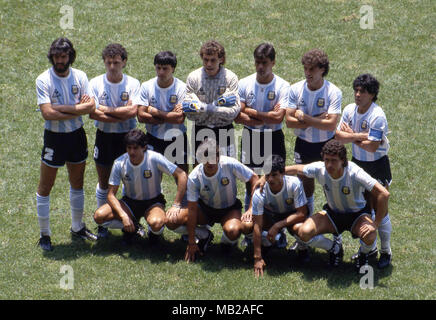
x=307 y=152
x=228 y=141
x=108 y=147
x=276 y=217
x=379 y=169
x=64 y=147
x=138 y=208
x=347 y=220
x=177 y=156
x=253 y=146
x=215 y=215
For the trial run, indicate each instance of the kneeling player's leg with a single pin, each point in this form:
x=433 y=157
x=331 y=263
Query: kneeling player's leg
x=318 y=223
x=232 y=226
x=156 y=219
x=104 y=216
x=364 y=228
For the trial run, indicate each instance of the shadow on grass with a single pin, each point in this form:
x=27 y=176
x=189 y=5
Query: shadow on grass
x=172 y=250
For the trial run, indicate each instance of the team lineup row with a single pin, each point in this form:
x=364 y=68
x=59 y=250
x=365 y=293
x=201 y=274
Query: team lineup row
x=212 y=99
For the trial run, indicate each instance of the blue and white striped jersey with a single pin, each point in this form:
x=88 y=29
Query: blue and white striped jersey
x=372 y=121
x=141 y=182
x=291 y=196
x=218 y=191
x=263 y=97
x=56 y=90
x=114 y=95
x=328 y=99
x=346 y=193
x=164 y=99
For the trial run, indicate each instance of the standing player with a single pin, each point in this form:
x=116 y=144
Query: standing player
x=314 y=109
x=212 y=198
x=364 y=124
x=140 y=170
x=160 y=109
x=344 y=184
x=115 y=115
x=212 y=99
x=63 y=97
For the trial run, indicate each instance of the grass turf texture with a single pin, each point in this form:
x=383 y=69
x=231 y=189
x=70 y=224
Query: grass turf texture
x=399 y=51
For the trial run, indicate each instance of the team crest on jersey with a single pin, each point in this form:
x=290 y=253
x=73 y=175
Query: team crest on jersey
x=289 y=201
x=147 y=174
x=364 y=125
x=224 y=181
x=74 y=89
x=221 y=90
x=124 y=96
x=173 y=98
x=271 y=95
x=345 y=190
x=321 y=102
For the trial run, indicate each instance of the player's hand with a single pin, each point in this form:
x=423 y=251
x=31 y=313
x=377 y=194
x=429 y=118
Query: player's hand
x=276 y=107
x=247 y=216
x=366 y=229
x=128 y=224
x=345 y=127
x=191 y=106
x=260 y=183
x=85 y=99
x=272 y=233
x=178 y=108
x=299 y=115
x=172 y=214
x=191 y=252
x=226 y=101
x=259 y=265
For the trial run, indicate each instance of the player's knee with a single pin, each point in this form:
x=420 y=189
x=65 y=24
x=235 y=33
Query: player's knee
x=247 y=227
x=305 y=232
x=232 y=231
x=98 y=216
x=156 y=223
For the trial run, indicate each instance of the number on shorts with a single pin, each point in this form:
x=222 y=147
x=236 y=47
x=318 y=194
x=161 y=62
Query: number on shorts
x=48 y=154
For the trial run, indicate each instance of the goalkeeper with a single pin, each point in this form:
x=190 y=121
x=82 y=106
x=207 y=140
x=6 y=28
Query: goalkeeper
x=212 y=100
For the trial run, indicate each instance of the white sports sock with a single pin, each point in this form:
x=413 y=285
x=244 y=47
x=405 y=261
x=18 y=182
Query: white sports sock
x=337 y=238
x=100 y=196
x=43 y=212
x=322 y=242
x=77 y=201
x=113 y=224
x=364 y=248
x=310 y=205
x=158 y=233
x=384 y=231
x=226 y=240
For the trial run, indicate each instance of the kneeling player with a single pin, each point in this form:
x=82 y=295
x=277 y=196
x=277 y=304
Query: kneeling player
x=344 y=184
x=212 y=198
x=140 y=170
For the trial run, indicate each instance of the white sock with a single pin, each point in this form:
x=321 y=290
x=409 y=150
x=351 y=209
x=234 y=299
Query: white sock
x=43 y=211
x=100 y=196
x=181 y=229
x=226 y=240
x=310 y=205
x=384 y=231
x=322 y=242
x=77 y=201
x=364 y=248
x=113 y=224
x=158 y=233
x=337 y=238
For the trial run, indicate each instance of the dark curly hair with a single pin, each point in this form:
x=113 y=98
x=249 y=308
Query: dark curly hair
x=114 y=49
x=277 y=164
x=265 y=50
x=317 y=57
x=61 y=45
x=136 y=137
x=369 y=83
x=166 y=57
x=335 y=148
x=211 y=47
